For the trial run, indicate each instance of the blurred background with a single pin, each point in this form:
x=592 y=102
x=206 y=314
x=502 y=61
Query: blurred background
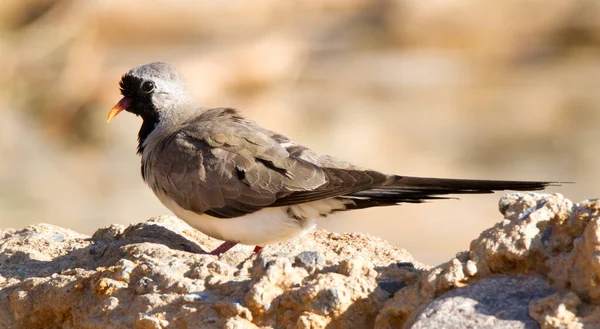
x=466 y=89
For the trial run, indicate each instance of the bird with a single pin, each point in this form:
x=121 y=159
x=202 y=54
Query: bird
x=236 y=181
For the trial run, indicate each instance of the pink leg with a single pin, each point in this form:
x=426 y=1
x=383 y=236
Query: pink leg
x=257 y=249
x=225 y=246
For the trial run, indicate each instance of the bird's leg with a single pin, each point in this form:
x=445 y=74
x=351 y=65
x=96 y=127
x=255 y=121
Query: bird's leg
x=257 y=249
x=223 y=248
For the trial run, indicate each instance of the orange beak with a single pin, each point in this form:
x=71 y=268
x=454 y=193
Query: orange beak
x=123 y=104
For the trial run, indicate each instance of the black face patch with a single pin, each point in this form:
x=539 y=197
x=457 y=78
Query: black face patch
x=147 y=127
x=141 y=105
x=130 y=86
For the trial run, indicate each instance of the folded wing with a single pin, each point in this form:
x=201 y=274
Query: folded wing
x=226 y=166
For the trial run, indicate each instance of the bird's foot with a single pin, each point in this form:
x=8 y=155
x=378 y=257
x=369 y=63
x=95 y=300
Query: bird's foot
x=225 y=246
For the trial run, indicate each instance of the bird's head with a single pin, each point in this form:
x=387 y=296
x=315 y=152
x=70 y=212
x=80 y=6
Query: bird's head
x=154 y=91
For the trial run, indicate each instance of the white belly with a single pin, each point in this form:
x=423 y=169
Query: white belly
x=266 y=226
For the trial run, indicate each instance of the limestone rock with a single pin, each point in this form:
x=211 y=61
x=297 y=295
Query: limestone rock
x=544 y=235
x=145 y=276
x=537 y=265
x=495 y=302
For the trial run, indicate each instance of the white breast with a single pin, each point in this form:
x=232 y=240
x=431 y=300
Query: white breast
x=266 y=226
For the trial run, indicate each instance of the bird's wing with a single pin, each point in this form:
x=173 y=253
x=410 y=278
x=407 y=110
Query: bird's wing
x=226 y=166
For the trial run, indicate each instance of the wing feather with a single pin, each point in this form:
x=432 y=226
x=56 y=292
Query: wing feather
x=226 y=166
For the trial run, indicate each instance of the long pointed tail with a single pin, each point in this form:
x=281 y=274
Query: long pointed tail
x=406 y=189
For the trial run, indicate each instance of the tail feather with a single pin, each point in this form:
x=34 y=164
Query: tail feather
x=465 y=185
x=406 y=189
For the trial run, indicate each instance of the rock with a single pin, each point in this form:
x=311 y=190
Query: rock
x=309 y=260
x=144 y=276
x=496 y=302
x=557 y=311
x=391 y=286
x=536 y=267
x=540 y=235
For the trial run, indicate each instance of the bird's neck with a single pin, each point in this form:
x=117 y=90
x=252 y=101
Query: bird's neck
x=155 y=126
x=148 y=125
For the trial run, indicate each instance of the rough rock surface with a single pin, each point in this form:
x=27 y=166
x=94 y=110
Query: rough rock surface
x=538 y=267
x=499 y=302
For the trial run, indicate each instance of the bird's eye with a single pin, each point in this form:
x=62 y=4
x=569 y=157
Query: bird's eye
x=147 y=86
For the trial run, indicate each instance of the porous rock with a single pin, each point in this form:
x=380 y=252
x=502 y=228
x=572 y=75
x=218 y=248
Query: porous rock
x=145 y=276
x=538 y=266
x=540 y=235
x=499 y=302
